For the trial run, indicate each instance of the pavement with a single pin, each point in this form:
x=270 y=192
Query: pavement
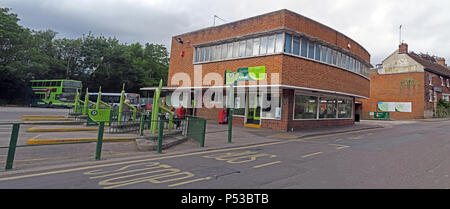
x=217 y=135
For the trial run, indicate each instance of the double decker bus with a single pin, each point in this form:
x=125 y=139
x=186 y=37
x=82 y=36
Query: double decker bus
x=51 y=93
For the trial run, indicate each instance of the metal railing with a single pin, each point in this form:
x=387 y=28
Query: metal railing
x=15 y=135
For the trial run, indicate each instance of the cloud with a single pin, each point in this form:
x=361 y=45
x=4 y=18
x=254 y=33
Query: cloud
x=373 y=24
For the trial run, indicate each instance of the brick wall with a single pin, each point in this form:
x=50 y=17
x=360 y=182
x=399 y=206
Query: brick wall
x=401 y=87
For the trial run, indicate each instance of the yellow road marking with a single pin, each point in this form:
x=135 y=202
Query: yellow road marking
x=312 y=154
x=266 y=164
x=170 y=156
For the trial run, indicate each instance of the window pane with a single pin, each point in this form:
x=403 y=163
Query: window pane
x=196 y=54
x=345 y=108
x=207 y=54
x=256 y=43
x=305 y=107
x=271 y=44
x=249 y=47
x=327 y=108
x=333 y=56
x=271 y=106
x=296 y=46
x=329 y=56
x=324 y=54
x=241 y=48
x=317 y=52
x=202 y=55
x=338 y=63
x=230 y=51
x=304 y=47
x=279 y=43
x=288 y=43
x=218 y=51
x=263 y=49
x=213 y=53
x=235 y=49
x=239 y=104
x=310 y=50
x=224 y=51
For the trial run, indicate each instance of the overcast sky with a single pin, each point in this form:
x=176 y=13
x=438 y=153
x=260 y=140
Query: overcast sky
x=373 y=24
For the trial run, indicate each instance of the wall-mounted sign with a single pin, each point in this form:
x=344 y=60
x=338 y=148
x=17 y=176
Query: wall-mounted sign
x=245 y=74
x=395 y=106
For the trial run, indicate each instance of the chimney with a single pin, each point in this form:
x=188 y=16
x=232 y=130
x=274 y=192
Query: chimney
x=403 y=48
x=441 y=61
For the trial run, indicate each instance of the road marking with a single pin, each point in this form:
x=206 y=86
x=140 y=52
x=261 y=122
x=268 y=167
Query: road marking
x=339 y=146
x=312 y=154
x=172 y=156
x=266 y=164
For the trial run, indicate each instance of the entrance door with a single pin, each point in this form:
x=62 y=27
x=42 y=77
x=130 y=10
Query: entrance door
x=253 y=110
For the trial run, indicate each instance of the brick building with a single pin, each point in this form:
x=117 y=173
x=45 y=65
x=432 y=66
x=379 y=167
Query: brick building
x=407 y=86
x=312 y=73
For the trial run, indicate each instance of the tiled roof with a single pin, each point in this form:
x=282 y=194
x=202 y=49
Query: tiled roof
x=430 y=66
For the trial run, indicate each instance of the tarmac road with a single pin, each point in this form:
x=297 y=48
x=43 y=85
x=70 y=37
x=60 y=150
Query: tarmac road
x=414 y=155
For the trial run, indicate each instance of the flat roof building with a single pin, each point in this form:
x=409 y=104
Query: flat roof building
x=290 y=72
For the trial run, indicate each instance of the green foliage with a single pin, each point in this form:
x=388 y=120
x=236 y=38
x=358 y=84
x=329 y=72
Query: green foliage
x=95 y=60
x=444 y=104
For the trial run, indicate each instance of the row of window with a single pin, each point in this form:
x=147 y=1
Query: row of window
x=46 y=83
x=305 y=107
x=244 y=48
x=278 y=43
x=313 y=107
x=299 y=46
x=430 y=79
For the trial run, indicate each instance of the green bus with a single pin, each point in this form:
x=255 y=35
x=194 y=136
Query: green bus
x=50 y=93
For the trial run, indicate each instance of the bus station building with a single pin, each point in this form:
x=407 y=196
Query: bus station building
x=312 y=73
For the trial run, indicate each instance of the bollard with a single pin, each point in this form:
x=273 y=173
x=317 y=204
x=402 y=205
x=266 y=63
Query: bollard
x=98 y=151
x=141 y=126
x=230 y=125
x=12 y=146
x=160 y=135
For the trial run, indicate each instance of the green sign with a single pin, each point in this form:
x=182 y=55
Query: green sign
x=245 y=74
x=381 y=115
x=99 y=115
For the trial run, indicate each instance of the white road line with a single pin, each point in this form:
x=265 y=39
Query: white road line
x=312 y=154
x=266 y=164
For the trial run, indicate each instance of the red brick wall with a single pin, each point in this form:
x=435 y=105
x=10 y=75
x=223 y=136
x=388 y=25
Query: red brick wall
x=396 y=88
x=306 y=73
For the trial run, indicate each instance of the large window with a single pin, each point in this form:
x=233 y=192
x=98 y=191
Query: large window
x=311 y=50
x=263 y=48
x=345 y=107
x=279 y=44
x=288 y=43
x=271 y=44
x=296 y=46
x=239 y=104
x=305 y=107
x=327 y=108
x=241 y=48
x=304 y=47
x=256 y=44
x=249 y=48
x=271 y=106
x=317 y=57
